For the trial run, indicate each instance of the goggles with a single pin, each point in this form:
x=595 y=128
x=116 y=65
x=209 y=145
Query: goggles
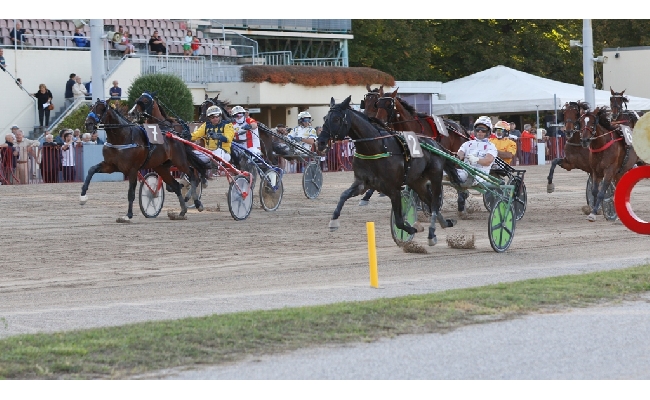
x=214 y=116
x=482 y=129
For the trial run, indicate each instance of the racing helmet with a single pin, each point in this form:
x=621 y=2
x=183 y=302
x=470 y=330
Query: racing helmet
x=213 y=110
x=501 y=128
x=237 y=110
x=304 y=114
x=484 y=120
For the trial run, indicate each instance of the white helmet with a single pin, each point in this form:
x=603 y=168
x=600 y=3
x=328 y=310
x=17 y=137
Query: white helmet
x=502 y=125
x=304 y=114
x=485 y=121
x=237 y=110
x=214 y=110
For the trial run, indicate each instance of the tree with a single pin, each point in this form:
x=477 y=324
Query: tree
x=170 y=90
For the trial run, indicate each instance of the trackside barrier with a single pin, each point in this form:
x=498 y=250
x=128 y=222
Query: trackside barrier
x=42 y=164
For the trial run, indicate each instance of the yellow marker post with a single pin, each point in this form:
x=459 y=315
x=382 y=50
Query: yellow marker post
x=372 y=255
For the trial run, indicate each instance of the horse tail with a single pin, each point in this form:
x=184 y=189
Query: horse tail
x=195 y=161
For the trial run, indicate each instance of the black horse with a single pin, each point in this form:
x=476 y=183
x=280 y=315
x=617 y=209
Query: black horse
x=127 y=150
x=382 y=162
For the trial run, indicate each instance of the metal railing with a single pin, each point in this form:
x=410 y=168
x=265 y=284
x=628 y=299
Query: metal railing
x=320 y=62
x=305 y=25
x=277 y=58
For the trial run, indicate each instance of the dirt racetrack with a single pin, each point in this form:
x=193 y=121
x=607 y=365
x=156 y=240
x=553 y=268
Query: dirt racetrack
x=67 y=266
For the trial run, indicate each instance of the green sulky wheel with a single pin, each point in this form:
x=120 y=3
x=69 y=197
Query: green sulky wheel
x=409 y=212
x=501 y=226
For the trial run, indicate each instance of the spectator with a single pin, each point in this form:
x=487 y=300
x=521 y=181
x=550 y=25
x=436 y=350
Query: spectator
x=94 y=137
x=85 y=139
x=526 y=142
x=156 y=44
x=187 y=44
x=44 y=97
x=16 y=35
x=2 y=59
x=80 y=39
x=79 y=90
x=68 y=157
x=89 y=88
x=129 y=48
x=9 y=142
x=19 y=82
x=26 y=150
x=514 y=131
x=69 y=95
x=196 y=44
x=118 y=45
x=76 y=135
x=115 y=92
x=50 y=162
x=14 y=129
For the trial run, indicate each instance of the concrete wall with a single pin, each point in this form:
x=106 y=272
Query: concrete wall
x=628 y=72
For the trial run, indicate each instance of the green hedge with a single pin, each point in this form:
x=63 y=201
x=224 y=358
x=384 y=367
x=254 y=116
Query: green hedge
x=170 y=90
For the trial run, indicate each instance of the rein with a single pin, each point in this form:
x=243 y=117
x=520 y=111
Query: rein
x=607 y=145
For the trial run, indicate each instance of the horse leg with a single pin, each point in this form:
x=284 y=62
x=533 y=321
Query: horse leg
x=354 y=190
x=133 y=181
x=103 y=168
x=396 y=202
x=175 y=187
x=550 y=187
x=598 y=196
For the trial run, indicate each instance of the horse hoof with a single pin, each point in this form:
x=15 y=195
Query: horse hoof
x=433 y=242
x=200 y=208
x=451 y=222
x=123 y=220
x=364 y=202
x=83 y=199
x=550 y=188
x=334 y=225
x=418 y=227
x=591 y=218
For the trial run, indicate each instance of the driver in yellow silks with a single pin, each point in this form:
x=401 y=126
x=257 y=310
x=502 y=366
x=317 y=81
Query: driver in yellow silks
x=506 y=148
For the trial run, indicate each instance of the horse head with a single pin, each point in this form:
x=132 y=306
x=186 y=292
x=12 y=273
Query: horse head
x=616 y=103
x=225 y=115
x=387 y=108
x=337 y=124
x=589 y=121
x=95 y=115
x=143 y=106
x=369 y=102
x=571 y=113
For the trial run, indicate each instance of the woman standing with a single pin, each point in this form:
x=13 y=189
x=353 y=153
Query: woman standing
x=44 y=97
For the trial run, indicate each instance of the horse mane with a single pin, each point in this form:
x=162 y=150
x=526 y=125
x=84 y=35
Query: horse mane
x=603 y=118
x=412 y=109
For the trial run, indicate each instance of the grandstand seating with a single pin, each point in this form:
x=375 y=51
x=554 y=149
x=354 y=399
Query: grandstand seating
x=58 y=34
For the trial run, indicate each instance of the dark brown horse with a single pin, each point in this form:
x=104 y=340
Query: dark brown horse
x=620 y=114
x=128 y=150
x=575 y=155
x=382 y=163
x=609 y=156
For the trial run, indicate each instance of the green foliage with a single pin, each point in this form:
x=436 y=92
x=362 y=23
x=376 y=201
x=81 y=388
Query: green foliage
x=76 y=120
x=169 y=89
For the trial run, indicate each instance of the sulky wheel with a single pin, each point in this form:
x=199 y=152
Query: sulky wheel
x=490 y=198
x=271 y=191
x=152 y=195
x=501 y=226
x=240 y=198
x=609 y=211
x=312 y=180
x=250 y=167
x=520 y=198
x=409 y=212
x=184 y=180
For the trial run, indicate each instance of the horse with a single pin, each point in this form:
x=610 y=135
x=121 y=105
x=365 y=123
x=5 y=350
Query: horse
x=381 y=162
x=128 y=150
x=575 y=155
x=369 y=102
x=402 y=116
x=271 y=145
x=609 y=156
x=617 y=102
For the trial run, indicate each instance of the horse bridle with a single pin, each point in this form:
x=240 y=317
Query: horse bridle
x=148 y=109
x=618 y=100
x=344 y=124
x=93 y=115
x=575 y=123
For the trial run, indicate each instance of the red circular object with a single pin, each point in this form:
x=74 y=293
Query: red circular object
x=622 y=200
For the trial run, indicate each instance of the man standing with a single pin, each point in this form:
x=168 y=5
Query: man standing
x=26 y=150
x=2 y=59
x=89 y=89
x=514 y=131
x=115 y=92
x=69 y=96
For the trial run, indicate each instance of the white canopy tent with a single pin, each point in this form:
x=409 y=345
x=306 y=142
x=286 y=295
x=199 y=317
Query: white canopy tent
x=505 y=90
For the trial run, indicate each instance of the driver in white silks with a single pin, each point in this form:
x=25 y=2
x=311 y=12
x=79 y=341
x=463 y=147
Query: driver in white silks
x=217 y=134
x=480 y=153
x=304 y=134
x=246 y=132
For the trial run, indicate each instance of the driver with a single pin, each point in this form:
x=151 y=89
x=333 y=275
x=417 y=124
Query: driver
x=246 y=130
x=304 y=134
x=480 y=154
x=218 y=135
x=506 y=148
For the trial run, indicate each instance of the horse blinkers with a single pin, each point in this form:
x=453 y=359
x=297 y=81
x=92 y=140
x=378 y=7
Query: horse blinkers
x=586 y=141
x=93 y=119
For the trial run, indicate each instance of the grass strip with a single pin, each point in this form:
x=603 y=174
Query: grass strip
x=119 y=352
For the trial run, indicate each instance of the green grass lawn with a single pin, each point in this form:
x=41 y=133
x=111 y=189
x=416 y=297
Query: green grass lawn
x=119 y=352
